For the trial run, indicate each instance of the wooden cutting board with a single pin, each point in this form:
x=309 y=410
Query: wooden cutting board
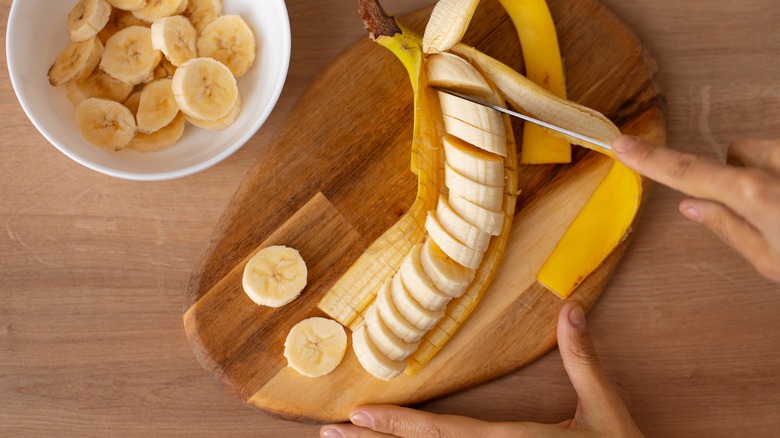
x=337 y=175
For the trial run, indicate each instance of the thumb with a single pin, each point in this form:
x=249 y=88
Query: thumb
x=581 y=363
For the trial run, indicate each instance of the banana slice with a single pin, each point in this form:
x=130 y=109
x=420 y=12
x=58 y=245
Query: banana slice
x=128 y=5
x=205 y=89
x=105 y=123
x=229 y=40
x=119 y=20
x=452 y=72
x=176 y=38
x=390 y=314
x=133 y=102
x=481 y=166
x=385 y=340
x=129 y=55
x=489 y=197
x=460 y=228
x=489 y=221
x=448 y=276
x=157 y=107
x=372 y=360
x=161 y=139
x=98 y=84
x=447 y=25
x=203 y=12
x=481 y=126
x=315 y=346
x=88 y=18
x=77 y=61
x=451 y=246
x=164 y=70
x=418 y=284
x=274 y=276
x=156 y=9
x=416 y=314
x=222 y=123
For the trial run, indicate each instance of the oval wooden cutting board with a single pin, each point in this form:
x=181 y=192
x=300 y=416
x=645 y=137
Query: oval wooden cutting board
x=337 y=175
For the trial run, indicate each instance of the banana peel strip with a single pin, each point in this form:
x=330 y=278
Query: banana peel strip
x=607 y=217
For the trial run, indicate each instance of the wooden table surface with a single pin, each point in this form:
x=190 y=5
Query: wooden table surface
x=93 y=269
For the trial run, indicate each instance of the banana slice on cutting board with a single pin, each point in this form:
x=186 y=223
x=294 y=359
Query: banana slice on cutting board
x=455 y=249
x=176 y=38
x=393 y=347
x=446 y=70
x=274 y=276
x=474 y=163
x=76 y=61
x=205 y=89
x=105 y=123
x=396 y=321
x=157 y=106
x=448 y=276
x=412 y=311
x=156 y=9
x=88 y=18
x=229 y=40
x=489 y=197
x=372 y=359
x=203 y=12
x=489 y=221
x=129 y=55
x=419 y=284
x=315 y=346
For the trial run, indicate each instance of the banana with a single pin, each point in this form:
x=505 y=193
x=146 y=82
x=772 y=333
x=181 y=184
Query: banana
x=203 y=12
x=119 y=20
x=483 y=167
x=416 y=314
x=176 y=38
x=460 y=228
x=315 y=346
x=161 y=139
x=393 y=318
x=476 y=124
x=447 y=275
x=372 y=360
x=164 y=70
x=205 y=89
x=229 y=40
x=88 y=18
x=274 y=276
x=447 y=25
x=385 y=340
x=446 y=70
x=133 y=102
x=76 y=61
x=489 y=197
x=489 y=221
x=128 y=5
x=455 y=249
x=105 y=123
x=156 y=9
x=419 y=284
x=157 y=107
x=98 y=84
x=222 y=123
x=129 y=55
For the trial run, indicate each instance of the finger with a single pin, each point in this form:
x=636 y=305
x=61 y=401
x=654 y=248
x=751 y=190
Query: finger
x=756 y=152
x=736 y=232
x=696 y=176
x=580 y=360
x=350 y=431
x=410 y=423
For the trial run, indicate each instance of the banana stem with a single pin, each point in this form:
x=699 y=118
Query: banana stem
x=376 y=21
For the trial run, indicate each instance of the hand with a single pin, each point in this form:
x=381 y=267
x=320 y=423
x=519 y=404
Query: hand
x=600 y=411
x=741 y=205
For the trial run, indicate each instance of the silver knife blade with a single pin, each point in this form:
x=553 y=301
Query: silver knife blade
x=527 y=118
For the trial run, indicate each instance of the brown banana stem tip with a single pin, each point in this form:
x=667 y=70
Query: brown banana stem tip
x=376 y=21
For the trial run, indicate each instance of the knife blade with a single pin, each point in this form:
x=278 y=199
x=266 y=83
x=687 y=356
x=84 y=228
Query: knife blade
x=527 y=118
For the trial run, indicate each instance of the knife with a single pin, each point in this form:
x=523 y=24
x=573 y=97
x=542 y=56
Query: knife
x=527 y=118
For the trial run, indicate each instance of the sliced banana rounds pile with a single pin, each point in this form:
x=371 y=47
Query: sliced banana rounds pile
x=138 y=70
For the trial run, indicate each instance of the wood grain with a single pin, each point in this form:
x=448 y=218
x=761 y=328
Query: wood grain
x=356 y=152
x=92 y=269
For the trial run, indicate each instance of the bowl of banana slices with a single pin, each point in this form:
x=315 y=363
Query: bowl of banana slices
x=148 y=89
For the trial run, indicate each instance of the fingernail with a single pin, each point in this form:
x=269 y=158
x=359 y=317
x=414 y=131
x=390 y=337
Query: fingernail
x=624 y=143
x=331 y=433
x=361 y=419
x=577 y=317
x=692 y=213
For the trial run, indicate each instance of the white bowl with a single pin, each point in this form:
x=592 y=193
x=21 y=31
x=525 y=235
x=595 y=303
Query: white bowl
x=37 y=32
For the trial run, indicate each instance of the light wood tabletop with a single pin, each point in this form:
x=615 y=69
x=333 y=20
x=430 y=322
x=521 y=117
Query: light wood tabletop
x=93 y=269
